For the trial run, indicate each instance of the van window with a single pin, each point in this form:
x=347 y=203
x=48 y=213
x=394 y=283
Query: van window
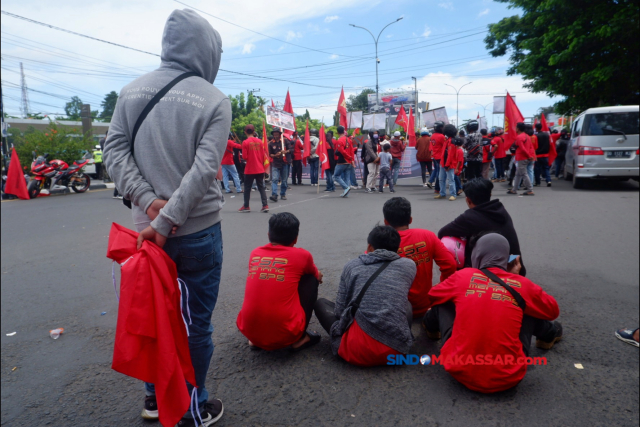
x=612 y=123
x=577 y=126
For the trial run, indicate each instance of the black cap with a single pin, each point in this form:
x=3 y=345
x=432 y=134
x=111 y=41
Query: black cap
x=276 y=130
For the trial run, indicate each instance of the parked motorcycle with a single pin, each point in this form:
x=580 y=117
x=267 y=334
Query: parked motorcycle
x=49 y=174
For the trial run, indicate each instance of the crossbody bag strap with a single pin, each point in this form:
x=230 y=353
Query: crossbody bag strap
x=157 y=97
x=356 y=303
x=515 y=294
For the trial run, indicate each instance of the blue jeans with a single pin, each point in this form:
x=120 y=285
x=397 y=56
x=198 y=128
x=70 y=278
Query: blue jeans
x=436 y=171
x=230 y=171
x=530 y=169
x=354 y=182
x=447 y=177
x=342 y=174
x=331 y=186
x=279 y=174
x=198 y=257
x=458 y=183
x=313 y=169
x=395 y=169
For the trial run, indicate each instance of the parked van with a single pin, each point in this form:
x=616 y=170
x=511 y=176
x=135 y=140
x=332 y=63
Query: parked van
x=604 y=145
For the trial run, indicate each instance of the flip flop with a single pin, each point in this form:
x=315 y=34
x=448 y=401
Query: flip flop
x=314 y=338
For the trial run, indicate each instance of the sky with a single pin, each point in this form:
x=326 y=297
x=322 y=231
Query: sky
x=308 y=46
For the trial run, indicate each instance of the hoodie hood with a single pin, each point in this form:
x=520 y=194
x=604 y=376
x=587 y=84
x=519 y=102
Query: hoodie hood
x=189 y=43
x=493 y=210
x=379 y=255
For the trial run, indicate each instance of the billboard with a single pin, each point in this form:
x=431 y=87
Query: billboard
x=391 y=102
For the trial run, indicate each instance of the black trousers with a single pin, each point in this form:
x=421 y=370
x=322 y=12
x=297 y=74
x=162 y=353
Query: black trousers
x=248 y=183
x=296 y=172
x=441 y=317
x=240 y=168
x=308 y=293
x=365 y=173
x=424 y=166
x=473 y=170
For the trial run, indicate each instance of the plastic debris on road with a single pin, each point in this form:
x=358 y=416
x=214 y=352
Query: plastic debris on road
x=578 y=365
x=11 y=334
x=103 y=313
x=55 y=333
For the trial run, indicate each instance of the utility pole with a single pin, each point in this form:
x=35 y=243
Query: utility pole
x=458 y=101
x=415 y=107
x=24 y=105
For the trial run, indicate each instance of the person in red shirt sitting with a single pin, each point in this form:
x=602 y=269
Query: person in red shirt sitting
x=296 y=170
x=281 y=289
x=253 y=151
x=422 y=247
x=229 y=168
x=486 y=316
x=371 y=318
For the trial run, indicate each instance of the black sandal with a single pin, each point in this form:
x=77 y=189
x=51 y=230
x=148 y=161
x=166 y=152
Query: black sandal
x=314 y=338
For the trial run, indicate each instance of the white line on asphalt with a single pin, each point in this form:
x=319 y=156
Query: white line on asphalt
x=301 y=201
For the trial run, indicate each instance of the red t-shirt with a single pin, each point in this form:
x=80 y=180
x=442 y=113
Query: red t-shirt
x=271 y=316
x=254 y=154
x=227 y=158
x=423 y=247
x=487 y=149
x=358 y=348
x=488 y=322
x=524 y=148
x=297 y=150
x=501 y=152
x=439 y=144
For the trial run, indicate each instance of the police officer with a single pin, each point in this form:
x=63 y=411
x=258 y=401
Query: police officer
x=97 y=158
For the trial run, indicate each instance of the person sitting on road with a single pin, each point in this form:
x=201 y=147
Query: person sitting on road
x=485 y=326
x=281 y=289
x=368 y=323
x=422 y=247
x=484 y=215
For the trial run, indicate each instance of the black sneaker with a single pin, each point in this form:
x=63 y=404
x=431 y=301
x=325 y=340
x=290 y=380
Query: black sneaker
x=549 y=184
x=283 y=197
x=548 y=345
x=150 y=410
x=274 y=198
x=211 y=414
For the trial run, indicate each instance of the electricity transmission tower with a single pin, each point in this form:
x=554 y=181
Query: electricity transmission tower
x=24 y=105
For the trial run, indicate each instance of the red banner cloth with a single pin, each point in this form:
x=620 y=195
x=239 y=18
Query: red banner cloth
x=151 y=337
x=342 y=110
x=16 y=184
x=512 y=116
x=411 y=133
x=543 y=121
x=402 y=119
x=288 y=107
x=322 y=152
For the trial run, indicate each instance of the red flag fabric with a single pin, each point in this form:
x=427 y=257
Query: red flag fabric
x=151 y=337
x=512 y=116
x=356 y=132
x=265 y=143
x=272 y=103
x=411 y=133
x=553 y=153
x=16 y=184
x=322 y=152
x=307 y=144
x=288 y=107
x=543 y=121
x=402 y=119
x=342 y=110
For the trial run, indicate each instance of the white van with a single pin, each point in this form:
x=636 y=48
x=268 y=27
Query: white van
x=604 y=145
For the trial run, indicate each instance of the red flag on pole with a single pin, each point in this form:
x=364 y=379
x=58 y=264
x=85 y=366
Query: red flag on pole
x=307 y=144
x=535 y=121
x=411 y=133
x=288 y=107
x=512 y=116
x=478 y=118
x=15 y=178
x=342 y=110
x=543 y=121
x=272 y=104
x=322 y=152
x=553 y=153
x=267 y=158
x=402 y=119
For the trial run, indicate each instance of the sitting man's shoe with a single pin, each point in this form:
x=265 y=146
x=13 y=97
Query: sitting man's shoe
x=431 y=335
x=150 y=410
x=211 y=414
x=548 y=345
x=626 y=335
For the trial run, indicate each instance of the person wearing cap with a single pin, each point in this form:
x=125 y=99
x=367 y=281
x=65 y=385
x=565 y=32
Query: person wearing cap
x=254 y=155
x=344 y=157
x=397 y=150
x=279 y=151
x=423 y=155
x=97 y=158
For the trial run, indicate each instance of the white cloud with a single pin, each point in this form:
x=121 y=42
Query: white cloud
x=484 y=12
x=427 y=31
x=292 y=35
x=248 y=48
x=474 y=63
x=446 y=5
x=331 y=18
x=334 y=56
x=389 y=36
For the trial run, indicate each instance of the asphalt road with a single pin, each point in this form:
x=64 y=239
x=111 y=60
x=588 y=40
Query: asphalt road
x=581 y=246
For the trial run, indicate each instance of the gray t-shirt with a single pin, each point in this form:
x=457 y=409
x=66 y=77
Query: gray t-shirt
x=385 y=159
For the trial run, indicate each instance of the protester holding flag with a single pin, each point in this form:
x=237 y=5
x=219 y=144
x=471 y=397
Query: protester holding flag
x=313 y=157
x=253 y=151
x=279 y=150
x=331 y=159
x=296 y=170
x=344 y=157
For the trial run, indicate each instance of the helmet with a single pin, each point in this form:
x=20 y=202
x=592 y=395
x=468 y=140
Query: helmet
x=450 y=131
x=437 y=126
x=314 y=132
x=396 y=133
x=456 y=246
x=98 y=147
x=424 y=131
x=472 y=126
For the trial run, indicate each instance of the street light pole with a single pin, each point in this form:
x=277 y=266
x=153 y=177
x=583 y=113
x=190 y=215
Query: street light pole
x=415 y=112
x=484 y=107
x=458 y=101
x=375 y=40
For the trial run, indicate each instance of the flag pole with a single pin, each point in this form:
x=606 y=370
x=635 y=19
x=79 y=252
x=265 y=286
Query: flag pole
x=319 y=161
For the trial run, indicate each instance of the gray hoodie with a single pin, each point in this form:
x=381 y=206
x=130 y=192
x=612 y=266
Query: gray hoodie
x=179 y=147
x=383 y=310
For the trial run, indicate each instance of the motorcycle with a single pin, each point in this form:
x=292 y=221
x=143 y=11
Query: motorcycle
x=57 y=173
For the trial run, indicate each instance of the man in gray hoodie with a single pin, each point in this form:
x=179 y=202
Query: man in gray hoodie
x=170 y=177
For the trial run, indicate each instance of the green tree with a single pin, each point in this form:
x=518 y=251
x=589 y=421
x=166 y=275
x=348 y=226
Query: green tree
x=359 y=102
x=73 y=108
x=582 y=52
x=108 y=106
